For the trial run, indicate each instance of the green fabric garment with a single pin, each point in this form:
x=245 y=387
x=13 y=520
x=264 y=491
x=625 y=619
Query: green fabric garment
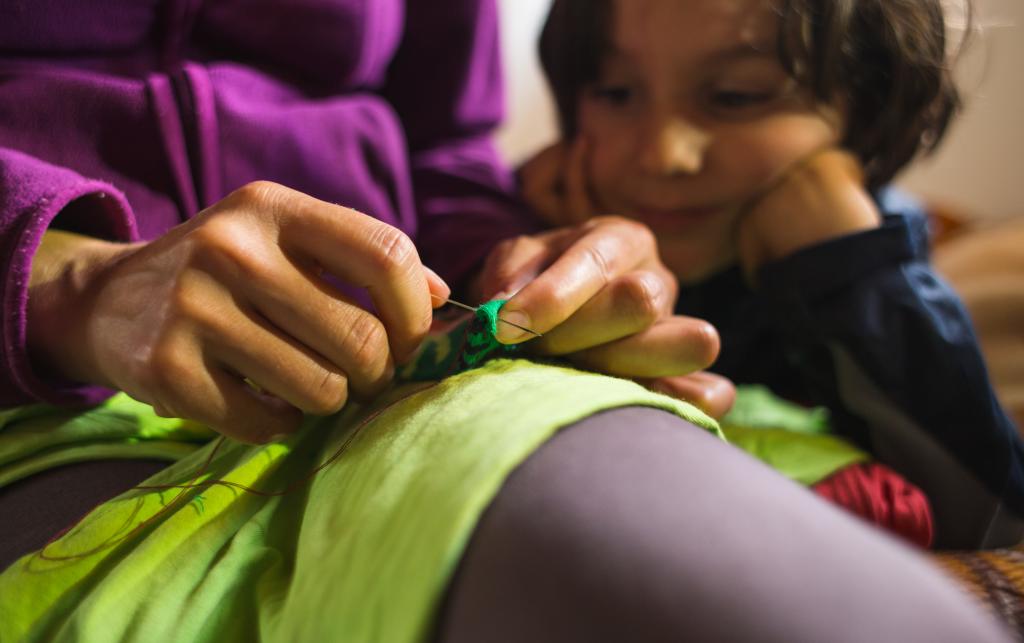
x=805 y=458
x=362 y=552
x=35 y=438
x=791 y=439
x=756 y=407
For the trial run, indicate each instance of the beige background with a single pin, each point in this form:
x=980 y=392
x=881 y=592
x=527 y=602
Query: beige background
x=977 y=170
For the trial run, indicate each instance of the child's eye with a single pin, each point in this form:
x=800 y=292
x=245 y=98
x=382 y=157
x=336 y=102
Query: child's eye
x=739 y=100
x=616 y=95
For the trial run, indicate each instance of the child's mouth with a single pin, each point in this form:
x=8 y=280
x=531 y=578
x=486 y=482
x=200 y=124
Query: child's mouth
x=674 y=220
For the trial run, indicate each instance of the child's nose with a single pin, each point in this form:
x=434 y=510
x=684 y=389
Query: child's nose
x=675 y=146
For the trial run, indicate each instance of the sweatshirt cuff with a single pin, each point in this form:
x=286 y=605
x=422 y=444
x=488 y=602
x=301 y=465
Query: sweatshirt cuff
x=101 y=211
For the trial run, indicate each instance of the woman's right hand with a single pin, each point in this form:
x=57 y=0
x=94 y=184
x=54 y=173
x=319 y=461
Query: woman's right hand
x=227 y=319
x=556 y=186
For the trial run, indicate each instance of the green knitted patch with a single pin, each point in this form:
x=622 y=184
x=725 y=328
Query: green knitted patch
x=488 y=315
x=467 y=346
x=482 y=341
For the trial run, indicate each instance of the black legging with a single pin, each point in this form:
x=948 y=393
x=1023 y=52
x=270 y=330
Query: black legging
x=633 y=525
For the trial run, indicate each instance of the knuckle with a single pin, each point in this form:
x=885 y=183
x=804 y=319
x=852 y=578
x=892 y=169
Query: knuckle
x=367 y=341
x=329 y=394
x=216 y=238
x=394 y=250
x=186 y=305
x=644 y=292
x=258 y=192
x=644 y=235
x=639 y=233
x=211 y=236
x=629 y=227
x=508 y=246
x=598 y=257
x=500 y=268
x=169 y=366
x=231 y=247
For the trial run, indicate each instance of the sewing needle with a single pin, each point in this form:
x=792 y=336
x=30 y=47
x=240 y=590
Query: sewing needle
x=473 y=310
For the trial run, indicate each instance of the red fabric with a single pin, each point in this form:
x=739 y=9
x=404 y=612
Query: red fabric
x=883 y=497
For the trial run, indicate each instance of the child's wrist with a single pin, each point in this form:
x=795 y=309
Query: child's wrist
x=845 y=209
x=820 y=200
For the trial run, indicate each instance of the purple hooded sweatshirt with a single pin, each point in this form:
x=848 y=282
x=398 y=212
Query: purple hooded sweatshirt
x=140 y=113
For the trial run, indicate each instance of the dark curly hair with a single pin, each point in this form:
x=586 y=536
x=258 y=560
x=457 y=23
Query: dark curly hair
x=886 y=61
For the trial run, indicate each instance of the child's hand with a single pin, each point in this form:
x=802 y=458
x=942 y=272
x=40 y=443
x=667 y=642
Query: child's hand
x=235 y=294
x=554 y=184
x=819 y=199
x=601 y=297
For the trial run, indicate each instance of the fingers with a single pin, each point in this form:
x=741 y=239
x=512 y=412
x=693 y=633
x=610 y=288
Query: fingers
x=280 y=367
x=244 y=413
x=361 y=251
x=516 y=262
x=628 y=305
x=236 y=294
x=317 y=320
x=672 y=346
x=606 y=249
x=384 y=261
x=709 y=392
x=183 y=384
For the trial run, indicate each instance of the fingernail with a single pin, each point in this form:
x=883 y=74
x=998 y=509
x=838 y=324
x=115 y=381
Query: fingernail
x=508 y=334
x=506 y=294
x=280 y=437
x=438 y=277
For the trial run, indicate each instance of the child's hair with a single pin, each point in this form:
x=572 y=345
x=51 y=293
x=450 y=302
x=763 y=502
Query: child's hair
x=885 y=61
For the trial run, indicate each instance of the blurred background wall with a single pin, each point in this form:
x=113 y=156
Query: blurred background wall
x=978 y=171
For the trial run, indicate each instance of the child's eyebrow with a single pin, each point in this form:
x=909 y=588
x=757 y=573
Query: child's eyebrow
x=732 y=53
x=740 y=51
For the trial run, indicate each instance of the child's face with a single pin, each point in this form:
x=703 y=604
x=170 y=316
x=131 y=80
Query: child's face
x=692 y=118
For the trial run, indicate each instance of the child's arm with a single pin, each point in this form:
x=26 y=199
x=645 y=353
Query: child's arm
x=819 y=199
x=887 y=346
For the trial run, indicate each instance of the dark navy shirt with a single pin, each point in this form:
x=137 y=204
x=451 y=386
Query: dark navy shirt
x=864 y=326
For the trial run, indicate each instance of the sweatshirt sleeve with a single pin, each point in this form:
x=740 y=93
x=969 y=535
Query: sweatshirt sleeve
x=891 y=350
x=32 y=194
x=446 y=85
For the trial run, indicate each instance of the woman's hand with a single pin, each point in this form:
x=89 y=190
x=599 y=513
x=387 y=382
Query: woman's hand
x=710 y=392
x=602 y=298
x=819 y=199
x=227 y=319
x=612 y=295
